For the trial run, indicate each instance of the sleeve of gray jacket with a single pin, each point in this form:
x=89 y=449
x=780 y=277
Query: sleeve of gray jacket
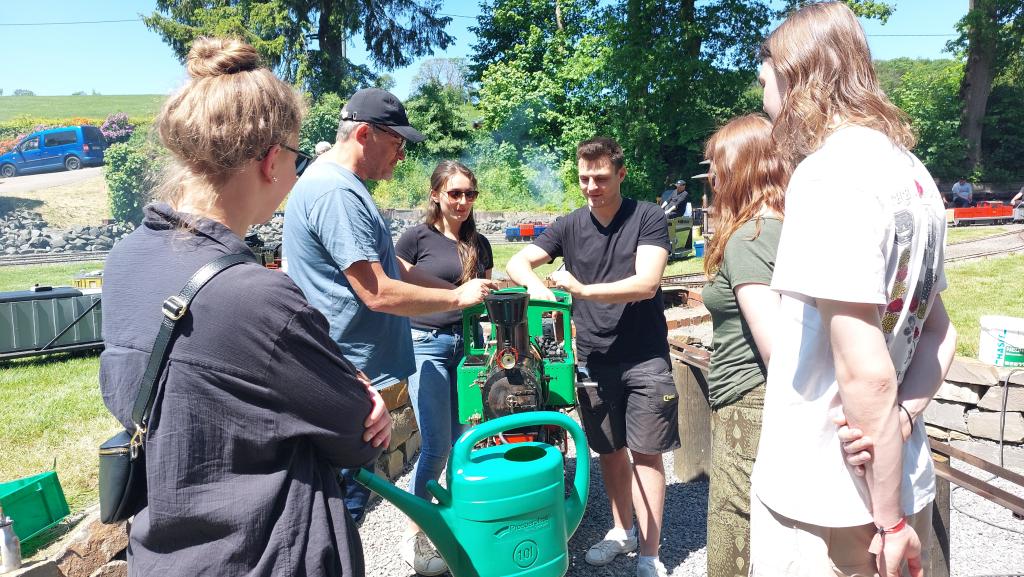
x=319 y=393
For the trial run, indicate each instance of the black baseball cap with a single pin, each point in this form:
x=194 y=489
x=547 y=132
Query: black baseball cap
x=680 y=181
x=376 y=106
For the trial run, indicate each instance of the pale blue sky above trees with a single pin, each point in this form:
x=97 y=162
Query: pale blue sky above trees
x=127 y=58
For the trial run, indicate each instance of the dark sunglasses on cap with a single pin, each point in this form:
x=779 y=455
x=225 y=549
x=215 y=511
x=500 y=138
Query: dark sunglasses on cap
x=456 y=194
x=302 y=159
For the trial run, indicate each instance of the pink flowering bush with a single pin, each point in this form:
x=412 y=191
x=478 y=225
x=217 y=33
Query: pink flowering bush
x=116 y=128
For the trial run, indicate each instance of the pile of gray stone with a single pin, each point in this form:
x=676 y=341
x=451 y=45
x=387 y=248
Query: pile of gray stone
x=25 y=232
x=969 y=404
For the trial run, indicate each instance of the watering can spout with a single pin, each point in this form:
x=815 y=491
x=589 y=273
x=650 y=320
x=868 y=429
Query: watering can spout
x=424 y=513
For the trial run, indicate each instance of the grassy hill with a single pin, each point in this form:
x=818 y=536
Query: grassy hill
x=95 y=107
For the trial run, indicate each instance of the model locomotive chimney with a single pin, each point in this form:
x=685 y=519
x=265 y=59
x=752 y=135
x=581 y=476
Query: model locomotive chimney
x=507 y=312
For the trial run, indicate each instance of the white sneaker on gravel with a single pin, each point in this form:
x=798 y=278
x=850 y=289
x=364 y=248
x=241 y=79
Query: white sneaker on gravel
x=615 y=543
x=420 y=554
x=650 y=567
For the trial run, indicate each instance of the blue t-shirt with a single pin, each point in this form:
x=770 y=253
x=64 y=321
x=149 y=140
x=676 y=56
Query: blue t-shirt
x=331 y=223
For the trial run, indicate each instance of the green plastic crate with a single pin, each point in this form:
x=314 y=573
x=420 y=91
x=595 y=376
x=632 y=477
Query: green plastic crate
x=35 y=503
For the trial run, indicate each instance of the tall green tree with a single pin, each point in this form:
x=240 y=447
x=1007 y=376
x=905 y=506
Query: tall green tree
x=927 y=90
x=306 y=40
x=523 y=29
x=436 y=111
x=992 y=41
x=658 y=75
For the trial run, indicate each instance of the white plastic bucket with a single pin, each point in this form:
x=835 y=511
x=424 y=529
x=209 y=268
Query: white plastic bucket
x=1002 y=341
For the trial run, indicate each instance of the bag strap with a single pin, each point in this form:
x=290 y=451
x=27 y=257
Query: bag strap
x=174 y=308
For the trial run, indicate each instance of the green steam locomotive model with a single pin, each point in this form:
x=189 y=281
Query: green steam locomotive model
x=525 y=363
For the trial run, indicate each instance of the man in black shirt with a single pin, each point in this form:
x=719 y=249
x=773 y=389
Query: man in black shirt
x=615 y=250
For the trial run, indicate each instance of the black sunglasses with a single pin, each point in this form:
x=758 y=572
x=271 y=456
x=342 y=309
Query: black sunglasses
x=302 y=159
x=470 y=194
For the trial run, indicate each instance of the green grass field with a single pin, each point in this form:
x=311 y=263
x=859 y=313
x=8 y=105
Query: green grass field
x=19 y=278
x=986 y=287
x=98 y=107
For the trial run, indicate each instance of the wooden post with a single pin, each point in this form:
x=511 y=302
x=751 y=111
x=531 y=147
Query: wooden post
x=938 y=551
x=692 y=461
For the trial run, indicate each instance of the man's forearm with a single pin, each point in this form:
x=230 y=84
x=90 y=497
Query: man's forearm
x=407 y=300
x=419 y=278
x=630 y=289
x=520 y=271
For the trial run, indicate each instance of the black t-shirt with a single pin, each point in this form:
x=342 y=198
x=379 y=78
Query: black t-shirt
x=434 y=253
x=633 y=331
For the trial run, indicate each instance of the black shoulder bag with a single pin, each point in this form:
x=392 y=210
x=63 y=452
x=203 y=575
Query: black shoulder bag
x=122 y=460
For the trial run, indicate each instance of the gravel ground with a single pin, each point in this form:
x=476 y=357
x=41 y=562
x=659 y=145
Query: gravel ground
x=682 y=548
x=979 y=549
x=987 y=540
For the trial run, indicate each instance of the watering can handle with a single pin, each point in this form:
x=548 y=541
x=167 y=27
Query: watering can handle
x=576 y=501
x=464 y=445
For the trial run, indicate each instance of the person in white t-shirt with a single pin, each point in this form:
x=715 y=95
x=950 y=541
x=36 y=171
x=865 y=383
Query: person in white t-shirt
x=862 y=333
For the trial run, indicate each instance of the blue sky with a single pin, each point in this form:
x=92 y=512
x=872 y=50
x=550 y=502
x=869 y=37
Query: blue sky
x=126 y=58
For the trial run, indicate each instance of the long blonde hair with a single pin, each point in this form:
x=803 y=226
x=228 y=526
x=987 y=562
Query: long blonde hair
x=468 y=245
x=230 y=111
x=821 y=58
x=747 y=176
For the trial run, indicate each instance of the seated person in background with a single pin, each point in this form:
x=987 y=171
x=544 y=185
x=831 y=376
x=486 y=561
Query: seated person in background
x=963 y=193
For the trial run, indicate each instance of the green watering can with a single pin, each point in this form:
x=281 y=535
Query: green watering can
x=505 y=512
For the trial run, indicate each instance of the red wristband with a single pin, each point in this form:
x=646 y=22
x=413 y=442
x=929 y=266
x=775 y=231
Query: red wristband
x=899 y=526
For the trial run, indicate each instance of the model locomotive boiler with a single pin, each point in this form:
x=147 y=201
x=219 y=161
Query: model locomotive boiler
x=525 y=363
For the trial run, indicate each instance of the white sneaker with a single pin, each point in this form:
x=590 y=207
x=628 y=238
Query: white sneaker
x=420 y=554
x=650 y=567
x=616 y=542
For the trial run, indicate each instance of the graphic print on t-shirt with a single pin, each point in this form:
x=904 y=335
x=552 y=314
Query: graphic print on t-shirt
x=903 y=243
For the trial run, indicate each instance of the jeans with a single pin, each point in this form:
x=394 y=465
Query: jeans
x=355 y=494
x=432 y=392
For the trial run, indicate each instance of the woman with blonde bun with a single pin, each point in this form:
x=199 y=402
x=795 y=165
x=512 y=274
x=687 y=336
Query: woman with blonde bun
x=255 y=409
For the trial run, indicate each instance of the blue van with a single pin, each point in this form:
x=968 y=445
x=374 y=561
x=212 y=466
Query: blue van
x=70 y=147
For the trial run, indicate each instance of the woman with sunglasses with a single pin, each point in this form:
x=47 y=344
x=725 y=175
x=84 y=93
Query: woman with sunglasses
x=256 y=409
x=446 y=246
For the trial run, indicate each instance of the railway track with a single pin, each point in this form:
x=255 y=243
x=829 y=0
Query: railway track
x=60 y=258
x=683 y=280
x=988 y=246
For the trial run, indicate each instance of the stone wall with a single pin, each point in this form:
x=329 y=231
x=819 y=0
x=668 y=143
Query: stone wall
x=24 y=232
x=968 y=405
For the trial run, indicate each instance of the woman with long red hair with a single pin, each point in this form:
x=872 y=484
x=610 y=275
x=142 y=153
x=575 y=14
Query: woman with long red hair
x=748 y=182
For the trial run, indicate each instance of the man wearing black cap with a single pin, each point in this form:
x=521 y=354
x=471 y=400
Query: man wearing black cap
x=340 y=252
